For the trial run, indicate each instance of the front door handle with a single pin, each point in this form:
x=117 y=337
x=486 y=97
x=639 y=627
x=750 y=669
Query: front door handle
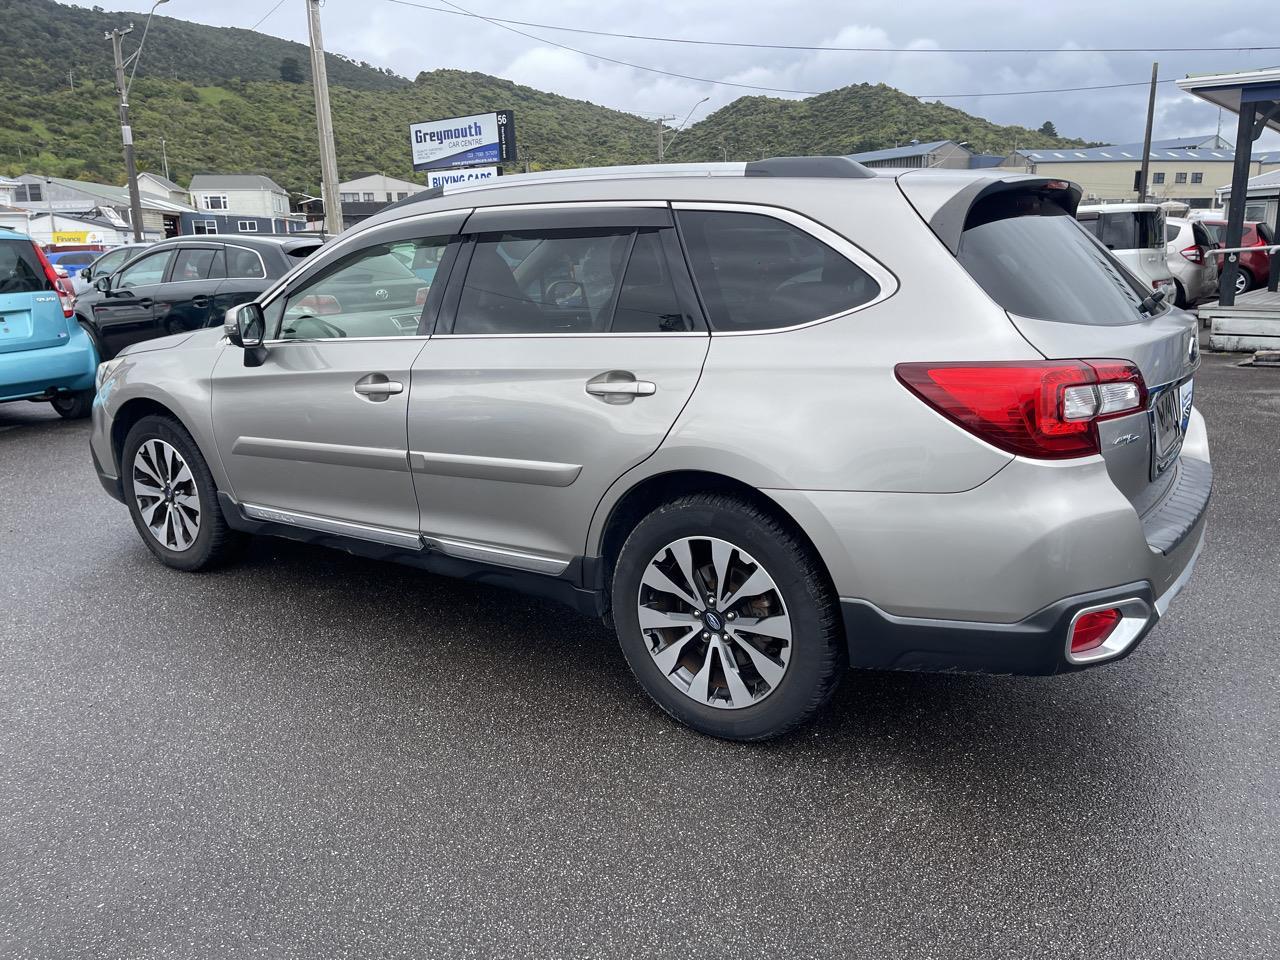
x=620 y=386
x=378 y=387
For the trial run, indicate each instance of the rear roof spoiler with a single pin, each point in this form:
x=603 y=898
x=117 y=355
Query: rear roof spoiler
x=947 y=219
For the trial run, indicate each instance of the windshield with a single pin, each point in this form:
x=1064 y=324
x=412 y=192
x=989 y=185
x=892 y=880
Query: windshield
x=1035 y=260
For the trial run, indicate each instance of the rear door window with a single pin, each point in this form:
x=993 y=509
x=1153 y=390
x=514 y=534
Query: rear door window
x=20 y=269
x=1037 y=261
x=197 y=264
x=245 y=264
x=756 y=272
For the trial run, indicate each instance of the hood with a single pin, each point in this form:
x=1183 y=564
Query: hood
x=162 y=343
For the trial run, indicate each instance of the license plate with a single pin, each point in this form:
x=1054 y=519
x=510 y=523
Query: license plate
x=1170 y=416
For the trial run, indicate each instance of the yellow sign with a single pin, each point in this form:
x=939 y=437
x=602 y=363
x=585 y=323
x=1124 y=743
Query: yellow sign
x=70 y=236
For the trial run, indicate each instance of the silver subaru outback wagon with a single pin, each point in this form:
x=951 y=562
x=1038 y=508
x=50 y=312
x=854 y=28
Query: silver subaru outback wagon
x=768 y=420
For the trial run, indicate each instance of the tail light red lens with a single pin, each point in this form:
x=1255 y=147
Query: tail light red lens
x=65 y=295
x=1193 y=253
x=1047 y=409
x=420 y=298
x=1092 y=629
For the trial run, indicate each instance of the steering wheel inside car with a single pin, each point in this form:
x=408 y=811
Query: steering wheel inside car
x=327 y=329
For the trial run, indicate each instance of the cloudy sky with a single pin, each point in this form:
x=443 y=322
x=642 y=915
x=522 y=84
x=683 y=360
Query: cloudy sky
x=408 y=39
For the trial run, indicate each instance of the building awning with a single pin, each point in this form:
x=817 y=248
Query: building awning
x=1231 y=90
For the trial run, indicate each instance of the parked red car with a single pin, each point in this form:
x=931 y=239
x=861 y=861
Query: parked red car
x=1254 y=267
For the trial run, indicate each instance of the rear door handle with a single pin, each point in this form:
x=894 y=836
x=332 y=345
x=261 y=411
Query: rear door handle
x=199 y=301
x=378 y=387
x=620 y=386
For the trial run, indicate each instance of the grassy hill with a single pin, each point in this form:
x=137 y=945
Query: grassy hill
x=219 y=99
x=847 y=120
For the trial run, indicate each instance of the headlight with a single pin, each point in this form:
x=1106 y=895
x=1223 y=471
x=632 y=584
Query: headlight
x=106 y=370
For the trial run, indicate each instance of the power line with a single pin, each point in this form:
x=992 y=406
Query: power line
x=752 y=86
x=264 y=17
x=797 y=46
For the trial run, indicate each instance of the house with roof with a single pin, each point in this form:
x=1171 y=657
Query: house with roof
x=101 y=228
x=153 y=185
x=1188 y=169
x=59 y=195
x=935 y=153
x=14 y=218
x=1262 y=201
x=376 y=188
x=240 y=194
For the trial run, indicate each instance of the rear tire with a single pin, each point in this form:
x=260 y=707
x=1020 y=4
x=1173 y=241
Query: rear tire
x=704 y=665
x=74 y=406
x=1244 y=280
x=172 y=497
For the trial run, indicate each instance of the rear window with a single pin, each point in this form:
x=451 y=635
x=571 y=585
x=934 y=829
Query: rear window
x=20 y=268
x=1035 y=260
x=1128 y=230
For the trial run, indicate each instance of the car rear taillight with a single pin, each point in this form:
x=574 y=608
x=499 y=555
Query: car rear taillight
x=1193 y=253
x=55 y=283
x=420 y=298
x=1092 y=629
x=1047 y=409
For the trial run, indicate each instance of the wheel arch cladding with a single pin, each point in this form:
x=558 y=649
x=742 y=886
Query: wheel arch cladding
x=130 y=413
x=657 y=489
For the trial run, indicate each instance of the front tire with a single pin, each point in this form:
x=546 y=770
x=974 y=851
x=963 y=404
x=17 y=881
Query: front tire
x=172 y=497
x=726 y=618
x=74 y=406
x=1244 y=280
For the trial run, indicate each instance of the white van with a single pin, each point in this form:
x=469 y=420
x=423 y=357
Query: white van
x=1134 y=232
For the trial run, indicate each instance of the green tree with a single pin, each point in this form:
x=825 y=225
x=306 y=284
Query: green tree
x=290 y=70
x=1048 y=129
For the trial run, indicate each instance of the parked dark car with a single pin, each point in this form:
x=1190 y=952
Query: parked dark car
x=1254 y=267
x=183 y=284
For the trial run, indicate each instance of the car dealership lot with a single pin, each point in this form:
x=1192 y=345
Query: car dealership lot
x=314 y=755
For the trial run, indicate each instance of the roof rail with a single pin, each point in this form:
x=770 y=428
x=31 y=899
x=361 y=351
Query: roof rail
x=824 y=167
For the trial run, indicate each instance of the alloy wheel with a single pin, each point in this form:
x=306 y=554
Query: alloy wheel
x=165 y=491
x=714 y=622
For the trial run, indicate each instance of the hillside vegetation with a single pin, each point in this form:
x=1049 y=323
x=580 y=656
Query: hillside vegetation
x=229 y=100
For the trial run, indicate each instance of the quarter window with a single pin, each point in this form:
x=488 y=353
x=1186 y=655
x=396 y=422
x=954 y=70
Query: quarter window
x=756 y=272
x=147 y=270
x=543 y=281
x=380 y=291
x=244 y=264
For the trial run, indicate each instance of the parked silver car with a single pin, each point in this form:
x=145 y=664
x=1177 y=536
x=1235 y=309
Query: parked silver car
x=1187 y=251
x=767 y=419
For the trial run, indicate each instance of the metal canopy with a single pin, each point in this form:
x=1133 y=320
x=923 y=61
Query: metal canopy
x=1255 y=96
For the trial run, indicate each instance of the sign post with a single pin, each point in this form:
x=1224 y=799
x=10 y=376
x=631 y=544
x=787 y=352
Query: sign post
x=484 y=138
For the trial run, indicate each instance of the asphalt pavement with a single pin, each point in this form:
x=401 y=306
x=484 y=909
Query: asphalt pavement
x=315 y=756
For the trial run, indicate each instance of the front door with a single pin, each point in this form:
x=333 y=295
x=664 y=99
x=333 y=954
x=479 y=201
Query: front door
x=569 y=354
x=125 y=314
x=315 y=436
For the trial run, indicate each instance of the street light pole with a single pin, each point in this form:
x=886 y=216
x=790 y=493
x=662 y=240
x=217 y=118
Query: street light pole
x=661 y=149
x=682 y=124
x=324 y=123
x=126 y=133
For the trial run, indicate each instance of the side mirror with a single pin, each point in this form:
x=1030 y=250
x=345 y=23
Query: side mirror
x=86 y=273
x=103 y=284
x=246 y=327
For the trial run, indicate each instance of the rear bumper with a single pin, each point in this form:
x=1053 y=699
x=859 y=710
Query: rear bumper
x=29 y=374
x=1035 y=646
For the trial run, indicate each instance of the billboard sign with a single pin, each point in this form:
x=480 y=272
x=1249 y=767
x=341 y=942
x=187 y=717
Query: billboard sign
x=463 y=141
x=443 y=178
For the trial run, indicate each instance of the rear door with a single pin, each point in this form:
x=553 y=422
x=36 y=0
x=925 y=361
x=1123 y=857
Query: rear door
x=184 y=302
x=571 y=342
x=247 y=272
x=1070 y=298
x=31 y=315
x=125 y=314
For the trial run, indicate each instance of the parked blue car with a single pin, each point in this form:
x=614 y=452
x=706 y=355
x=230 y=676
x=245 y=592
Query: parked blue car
x=44 y=353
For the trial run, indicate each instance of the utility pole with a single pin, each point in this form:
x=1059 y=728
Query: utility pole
x=126 y=133
x=1146 y=139
x=164 y=155
x=661 y=122
x=324 y=123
